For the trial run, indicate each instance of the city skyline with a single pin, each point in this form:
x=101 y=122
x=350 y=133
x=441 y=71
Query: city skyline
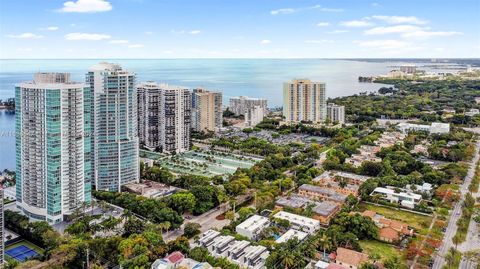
x=268 y=29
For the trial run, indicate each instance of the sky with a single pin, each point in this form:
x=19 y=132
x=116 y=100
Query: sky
x=239 y=29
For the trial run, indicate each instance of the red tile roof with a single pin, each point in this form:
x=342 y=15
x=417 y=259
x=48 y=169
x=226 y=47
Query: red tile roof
x=175 y=257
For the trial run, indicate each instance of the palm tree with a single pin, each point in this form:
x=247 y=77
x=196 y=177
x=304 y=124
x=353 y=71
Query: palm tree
x=287 y=259
x=165 y=225
x=450 y=256
x=456 y=240
x=325 y=243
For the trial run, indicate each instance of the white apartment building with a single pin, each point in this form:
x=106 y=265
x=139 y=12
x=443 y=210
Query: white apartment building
x=53 y=162
x=300 y=223
x=254 y=116
x=164 y=116
x=408 y=68
x=114 y=120
x=405 y=198
x=290 y=234
x=252 y=226
x=336 y=114
x=207 y=114
x=304 y=100
x=240 y=105
x=434 y=128
x=239 y=252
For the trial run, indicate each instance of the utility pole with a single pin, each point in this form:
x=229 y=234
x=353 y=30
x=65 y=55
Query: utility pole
x=88 y=260
x=234 y=217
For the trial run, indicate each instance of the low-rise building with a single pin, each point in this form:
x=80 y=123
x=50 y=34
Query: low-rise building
x=239 y=252
x=298 y=222
x=350 y=258
x=319 y=193
x=389 y=230
x=323 y=211
x=177 y=260
x=404 y=197
x=290 y=234
x=434 y=128
x=151 y=189
x=472 y=112
x=341 y=182
x=252 y=226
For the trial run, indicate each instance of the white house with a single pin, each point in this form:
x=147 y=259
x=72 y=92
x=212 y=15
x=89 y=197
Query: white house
x=300 y=223
x=252 y=226
x=290 y=234
x=406 y=199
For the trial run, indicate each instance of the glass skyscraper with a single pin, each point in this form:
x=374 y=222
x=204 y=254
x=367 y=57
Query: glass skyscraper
x=53 y=172
x=115 y=143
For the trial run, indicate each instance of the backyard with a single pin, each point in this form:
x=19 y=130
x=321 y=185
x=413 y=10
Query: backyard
x=386 y=251
x=414 y=220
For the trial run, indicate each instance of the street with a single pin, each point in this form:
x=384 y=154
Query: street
x=455 y=215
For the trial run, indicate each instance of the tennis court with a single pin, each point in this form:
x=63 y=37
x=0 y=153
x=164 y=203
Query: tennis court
x=21 y=253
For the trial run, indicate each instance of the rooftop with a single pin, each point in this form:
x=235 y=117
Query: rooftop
x=253 y=223
x=333 y=195
x=294 y=218
x=352 y=257
x=290 y=234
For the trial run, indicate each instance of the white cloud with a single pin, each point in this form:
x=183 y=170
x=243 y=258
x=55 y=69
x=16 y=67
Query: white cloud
x=399 y=19
x=324 y=9
x=86 y=36
x=284 y=11
x=323 y=24
x=86 y=6
x=265 y=42
x=428 y=34
x=337 y=32
x=194 y=32
x=410 y=31
x=149 y=33
x=136 y=46
x=26 y=36
x=375 y=4
x=392 y=29
x=384 y=44
x=356 y=23
x=119 y=41
x=321 y=41
x=50 y=28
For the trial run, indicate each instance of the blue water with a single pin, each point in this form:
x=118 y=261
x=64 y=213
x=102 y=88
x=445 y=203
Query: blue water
x=251 y=77
x=257 y=78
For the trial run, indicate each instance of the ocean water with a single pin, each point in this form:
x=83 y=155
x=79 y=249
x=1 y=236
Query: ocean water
x=251 y=77
x=256 y=77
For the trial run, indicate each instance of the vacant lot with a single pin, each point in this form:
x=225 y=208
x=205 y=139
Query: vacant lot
x=386 y=251
x=416 y=221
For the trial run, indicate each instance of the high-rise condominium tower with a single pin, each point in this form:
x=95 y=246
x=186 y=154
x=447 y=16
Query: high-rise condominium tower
x=336 y=114
x=115 y=160
x=164 y=117
x=240 y=105
x=207 y=114
x=53 y=172
x=304 y=100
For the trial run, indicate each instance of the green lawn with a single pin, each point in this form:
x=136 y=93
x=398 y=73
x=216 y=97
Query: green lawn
x=416 y=221
x=386 y=251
